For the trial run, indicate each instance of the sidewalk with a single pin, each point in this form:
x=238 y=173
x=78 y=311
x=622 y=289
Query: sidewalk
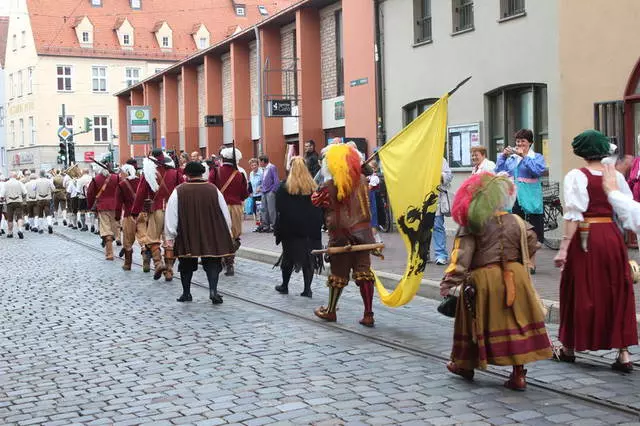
x=546 y=279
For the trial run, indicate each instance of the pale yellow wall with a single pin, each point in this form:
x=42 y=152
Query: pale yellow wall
x=598 y=47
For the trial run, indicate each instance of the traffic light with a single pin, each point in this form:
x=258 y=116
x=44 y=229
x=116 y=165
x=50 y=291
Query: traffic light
x=72 y=152
x=88 y=124
x=62 y=153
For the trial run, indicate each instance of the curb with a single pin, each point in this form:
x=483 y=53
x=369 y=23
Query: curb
x=429 y=289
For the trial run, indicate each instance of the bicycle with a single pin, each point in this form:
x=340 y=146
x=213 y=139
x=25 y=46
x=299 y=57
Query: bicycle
x=552 y=211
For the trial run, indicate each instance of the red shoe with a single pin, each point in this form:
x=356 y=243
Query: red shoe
x=323 y=313
x=464 y=373
x=517 y=380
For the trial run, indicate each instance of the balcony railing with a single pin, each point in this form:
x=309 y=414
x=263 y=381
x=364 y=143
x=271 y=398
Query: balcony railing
x=423 y=29
x=511 y=8
x=463 y=19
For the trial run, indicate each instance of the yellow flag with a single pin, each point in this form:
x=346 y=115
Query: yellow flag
x=412 y=166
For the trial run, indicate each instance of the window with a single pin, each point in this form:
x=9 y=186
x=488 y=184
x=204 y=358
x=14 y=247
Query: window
x=511 y=8
x=157 y=70
x=126 y=40
x=2 y=117
x=165 y=41
x=414 y=109
x=422 y=21
x=462 y=15
x=517 y=107
x=85 y=36
x=12 y=87
x=132 y=76
x=64 y=78
x=20 y=86
x=136 y=4
x=339 y=54
x=32 y=126
x=69 y=123
x=12 y=131
x=263 y=10
x=101 y=128
x=202 y=43
x=96 y=3
x=30 y=81
x=15 y=42
x=99 y=79
x=21 y=132
x=23 y=38
x=240 y=11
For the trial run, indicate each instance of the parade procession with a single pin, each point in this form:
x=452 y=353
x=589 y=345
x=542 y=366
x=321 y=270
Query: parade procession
x=319 y=212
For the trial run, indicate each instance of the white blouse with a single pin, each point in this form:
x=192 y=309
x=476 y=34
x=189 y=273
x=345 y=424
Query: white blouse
x=576 y=196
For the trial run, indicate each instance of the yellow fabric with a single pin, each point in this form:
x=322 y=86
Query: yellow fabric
x=454 y=257
x=412 y=165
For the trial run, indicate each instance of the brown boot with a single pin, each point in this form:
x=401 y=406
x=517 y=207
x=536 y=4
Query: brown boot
x=517 y=379
x=128 y=259
x=146 y=260
x=168 y=261
x=467 y=374
x=324 y=313
x=158 y=266
x=108 y=248
x=367 y=320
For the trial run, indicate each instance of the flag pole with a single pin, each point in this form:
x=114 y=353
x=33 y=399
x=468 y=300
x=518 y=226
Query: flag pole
x=451 y=92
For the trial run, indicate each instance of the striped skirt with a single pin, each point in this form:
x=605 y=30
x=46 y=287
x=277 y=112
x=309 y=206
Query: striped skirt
x=497 y=334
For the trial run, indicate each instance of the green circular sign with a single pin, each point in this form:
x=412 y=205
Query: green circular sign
x=139 y=114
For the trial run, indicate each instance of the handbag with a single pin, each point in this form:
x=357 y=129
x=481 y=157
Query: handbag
x=448 y=305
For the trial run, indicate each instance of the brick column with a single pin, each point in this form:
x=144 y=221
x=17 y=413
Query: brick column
x=359 y=40
x=213 y=99
x=170 y=87
x=272 y=138
x=190 y=105
x=152 y=99
x=241 y=99
x=123 y=143
x=309 y=79
x=137 y=98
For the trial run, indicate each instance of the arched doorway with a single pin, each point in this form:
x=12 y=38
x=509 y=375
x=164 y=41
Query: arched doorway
x=632 y=111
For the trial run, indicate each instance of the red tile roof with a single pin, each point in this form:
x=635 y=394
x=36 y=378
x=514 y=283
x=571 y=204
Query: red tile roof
x=4 y=29
x=54 y=34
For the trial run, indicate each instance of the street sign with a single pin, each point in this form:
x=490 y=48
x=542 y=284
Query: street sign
x=89 y=156
x=279 y=108
x=64 y=133
x=139 y=125
x=213 y=121
x=358 y=82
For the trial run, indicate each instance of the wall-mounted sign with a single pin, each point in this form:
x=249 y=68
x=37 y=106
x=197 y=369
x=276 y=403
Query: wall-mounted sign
x=358 y=82
x=213 y=120
x=89 y=156
x=139 y=125
x=22 y=158
x=279 y=108
x=460 y=140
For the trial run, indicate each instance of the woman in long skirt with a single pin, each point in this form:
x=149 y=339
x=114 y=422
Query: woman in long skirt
x=597 y=304
x=499 y=319
x=298 y=227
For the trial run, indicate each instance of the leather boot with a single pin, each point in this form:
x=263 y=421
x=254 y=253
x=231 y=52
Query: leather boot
x=158 y=265
x=108 y=248
x=328 y=313
x=168 y=261
x=146 y=259
x=517 y=379
x=228 y=263
x=366 y=291
x=128 y=259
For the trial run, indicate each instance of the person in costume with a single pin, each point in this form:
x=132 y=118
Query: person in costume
x=102 y=195
x=198 y=225
x=13 y=192
x=344 y=196
x=499 y=319
x=298 y=227
x=59 y=199
x=627 y=209
x=132 y=228
x=597 y=304
x=232 y=183
x=44 y=192
x=84 y=207
x=159 y=179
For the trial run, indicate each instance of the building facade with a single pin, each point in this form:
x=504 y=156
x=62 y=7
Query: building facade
x=4 y=26
x=554 y=67
x=316 y=56
x=81 y=52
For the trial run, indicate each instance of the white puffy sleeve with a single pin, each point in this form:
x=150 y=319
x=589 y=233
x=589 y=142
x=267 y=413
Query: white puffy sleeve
x=224 y=209
x=171 y=217
x=623 y=185
x=576 y=196
x=628 y=211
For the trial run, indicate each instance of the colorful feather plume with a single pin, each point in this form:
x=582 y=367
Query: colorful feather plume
x=479 y=198
x=343 y=163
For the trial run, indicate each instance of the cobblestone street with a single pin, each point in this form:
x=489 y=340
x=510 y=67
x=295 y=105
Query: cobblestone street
x=84 y=342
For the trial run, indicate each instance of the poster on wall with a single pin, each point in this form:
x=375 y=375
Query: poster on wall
x=460 y=139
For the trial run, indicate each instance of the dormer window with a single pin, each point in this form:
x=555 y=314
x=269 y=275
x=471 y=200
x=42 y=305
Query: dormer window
x=165 y=41
x=163 y=34
x=241 y=11
x=126 y=39
x=263 y=10
x=203 y=43
x=136 y=4
x=84 y=31
x=96 y=3
x=85 y=36
x=125 y=33
x=201 y=36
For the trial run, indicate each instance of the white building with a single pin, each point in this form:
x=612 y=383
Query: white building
x=4 y=25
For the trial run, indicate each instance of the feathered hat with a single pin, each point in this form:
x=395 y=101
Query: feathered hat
x=479 y=198
x=343 y=163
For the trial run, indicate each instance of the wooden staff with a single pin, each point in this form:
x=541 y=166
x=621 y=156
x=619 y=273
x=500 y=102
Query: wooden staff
x=349 y=248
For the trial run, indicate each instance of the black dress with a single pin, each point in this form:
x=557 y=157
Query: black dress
x=299 y=228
